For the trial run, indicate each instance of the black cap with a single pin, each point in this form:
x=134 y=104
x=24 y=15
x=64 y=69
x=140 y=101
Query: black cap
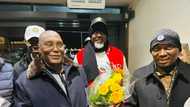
x=98 y=25
x=166 y=36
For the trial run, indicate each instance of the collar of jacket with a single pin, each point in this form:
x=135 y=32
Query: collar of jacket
x=48 y=72
x=181 y=67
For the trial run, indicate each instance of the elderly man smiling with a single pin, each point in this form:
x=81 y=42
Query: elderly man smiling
x=57 y=84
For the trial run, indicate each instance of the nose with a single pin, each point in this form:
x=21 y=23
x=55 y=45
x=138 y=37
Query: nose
x=55 y=48
x=163 y=52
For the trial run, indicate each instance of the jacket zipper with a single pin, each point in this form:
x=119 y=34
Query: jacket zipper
x=170 y=89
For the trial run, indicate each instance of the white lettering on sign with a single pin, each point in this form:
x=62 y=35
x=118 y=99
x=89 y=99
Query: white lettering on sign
x=91 y=4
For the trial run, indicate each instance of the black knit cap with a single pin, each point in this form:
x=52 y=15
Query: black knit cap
x=166 y=36
x=98 y=25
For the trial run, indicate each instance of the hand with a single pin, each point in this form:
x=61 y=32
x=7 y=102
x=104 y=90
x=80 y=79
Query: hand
x=34 y=68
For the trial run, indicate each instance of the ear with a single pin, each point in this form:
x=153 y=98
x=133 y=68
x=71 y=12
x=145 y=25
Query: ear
x=40 y=50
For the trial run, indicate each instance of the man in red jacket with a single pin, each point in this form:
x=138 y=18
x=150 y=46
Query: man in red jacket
x=98 y=56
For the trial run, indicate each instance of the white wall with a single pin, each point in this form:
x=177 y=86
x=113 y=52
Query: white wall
x=151 y=16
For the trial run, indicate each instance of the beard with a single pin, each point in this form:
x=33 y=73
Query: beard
x=100 y=47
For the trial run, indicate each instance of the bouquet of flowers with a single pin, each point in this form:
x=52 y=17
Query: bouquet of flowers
x=109 y=89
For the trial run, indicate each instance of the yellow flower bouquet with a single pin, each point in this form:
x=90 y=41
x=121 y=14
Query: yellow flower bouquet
x=109 y=90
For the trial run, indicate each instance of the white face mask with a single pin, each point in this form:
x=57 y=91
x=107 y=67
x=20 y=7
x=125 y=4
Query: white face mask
x=98 y=45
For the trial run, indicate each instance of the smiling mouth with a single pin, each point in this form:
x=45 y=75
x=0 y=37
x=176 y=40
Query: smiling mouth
x=163 y=61
x=55 y=57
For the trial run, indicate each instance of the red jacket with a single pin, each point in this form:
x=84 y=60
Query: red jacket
x=114 y=54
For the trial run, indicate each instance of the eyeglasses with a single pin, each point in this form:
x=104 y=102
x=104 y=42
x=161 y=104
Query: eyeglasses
x=51 y=45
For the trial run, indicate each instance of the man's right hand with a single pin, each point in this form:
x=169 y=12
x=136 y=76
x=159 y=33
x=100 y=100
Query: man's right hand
x=34 y=68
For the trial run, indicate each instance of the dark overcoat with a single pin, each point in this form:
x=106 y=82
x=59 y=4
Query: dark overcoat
x=149 y=91
x=44 y=91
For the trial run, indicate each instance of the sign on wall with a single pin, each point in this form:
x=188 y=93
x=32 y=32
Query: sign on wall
x=92 y=4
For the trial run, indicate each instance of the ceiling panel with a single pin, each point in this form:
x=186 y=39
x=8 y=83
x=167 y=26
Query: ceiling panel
x=108 y=2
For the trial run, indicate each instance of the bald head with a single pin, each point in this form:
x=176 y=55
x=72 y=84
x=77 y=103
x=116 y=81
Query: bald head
x=48 y=34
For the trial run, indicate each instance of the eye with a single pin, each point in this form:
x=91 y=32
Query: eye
x=156 y=49
x=60 y=45
x=170 y=47
x=49 y=44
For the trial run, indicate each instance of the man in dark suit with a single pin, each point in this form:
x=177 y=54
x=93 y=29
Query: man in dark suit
x=57 y=84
